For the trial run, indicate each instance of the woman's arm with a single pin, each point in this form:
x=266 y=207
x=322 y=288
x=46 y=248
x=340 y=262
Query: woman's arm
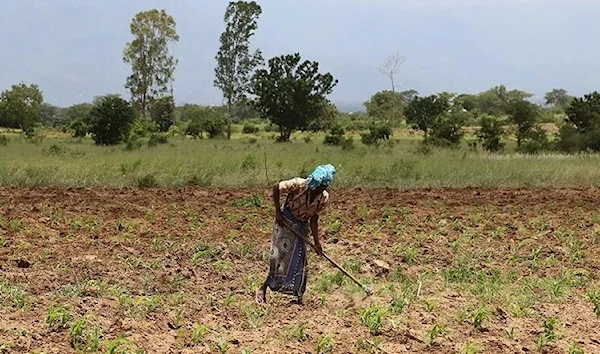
x=314 y=226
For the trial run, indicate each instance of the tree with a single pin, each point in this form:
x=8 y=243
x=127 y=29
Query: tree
x=324 y=120
x=21 y=107
x=422 y=112
x=290 y=92
x=497 y=100
x=50 y=115
x=558 y=98
x=385 y=105
x=581 y=130
x=163 y=113
x=110 y=120
x=76 y=118
x=148 y=54
x=447 y=128
x=204 y=119
x=524 y=115
x=389 y=68
x=490 y=133
x=235 y=64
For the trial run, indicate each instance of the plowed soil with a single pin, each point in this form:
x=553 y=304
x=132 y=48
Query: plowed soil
x=494 y=270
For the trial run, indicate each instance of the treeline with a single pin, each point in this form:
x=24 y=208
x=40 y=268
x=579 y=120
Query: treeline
x=291 y=93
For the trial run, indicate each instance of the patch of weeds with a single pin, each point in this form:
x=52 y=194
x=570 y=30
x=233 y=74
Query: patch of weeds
x=134 y=262
x=594 y=297
x=230 y=299
x=298 y=332
x=253 y=316
x=434 y=333
x=123 y=345
x=251 y=201
x=204 y=250
x=410 y=255
x=140 y=306
x=14 y=296
x=548 y=334
x=479 y=316
x=84 y=336
x=326 y=281
x=325 y=344
x=221 y=265
x=373 y=317
x=430 y=305
x=575 y=349
x=473 y=348
x=222 y=345
x=369 y=346
x=199 y=333
x=15 y=225
x=334 y=226
x=58 y=317
x=147 y=181
x=510 y=333
x=129 y=167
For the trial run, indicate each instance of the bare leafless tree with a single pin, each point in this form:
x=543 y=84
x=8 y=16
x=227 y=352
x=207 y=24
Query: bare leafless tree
x=389 y=68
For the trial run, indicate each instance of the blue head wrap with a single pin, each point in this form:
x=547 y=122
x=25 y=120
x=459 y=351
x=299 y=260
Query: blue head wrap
x=322 y=175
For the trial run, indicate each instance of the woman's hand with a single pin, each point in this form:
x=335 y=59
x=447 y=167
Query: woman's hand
x=319 y=249
x=279 y=216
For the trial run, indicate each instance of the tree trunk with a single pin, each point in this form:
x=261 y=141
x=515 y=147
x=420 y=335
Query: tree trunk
x=228 y=120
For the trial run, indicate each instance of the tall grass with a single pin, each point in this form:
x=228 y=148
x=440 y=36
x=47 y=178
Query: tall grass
x=240 y=162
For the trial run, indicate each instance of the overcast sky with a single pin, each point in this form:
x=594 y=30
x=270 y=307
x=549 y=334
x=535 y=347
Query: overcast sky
x=73 y=48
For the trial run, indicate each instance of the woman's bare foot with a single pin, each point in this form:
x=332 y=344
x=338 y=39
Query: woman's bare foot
x=261 y=295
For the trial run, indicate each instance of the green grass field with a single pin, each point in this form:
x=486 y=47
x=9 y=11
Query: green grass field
x=62 y=161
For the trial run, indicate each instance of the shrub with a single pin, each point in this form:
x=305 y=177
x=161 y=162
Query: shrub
x=249 y=128
x=3 y=140
x=157 y=138
x=110 y=120
x=375 y=134
x=490 y=134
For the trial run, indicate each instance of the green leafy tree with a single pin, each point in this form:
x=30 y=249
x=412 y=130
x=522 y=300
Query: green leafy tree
x=558 y=98
x=324 y=120
x=235 y=63
x=490 y=133
x=447 y=128
x=497 y=100
x=21 y=107
x=163 y=113
x=204 y=119
x=524 y=115
x=422 y=112
x=110 y=120
x=291 y=93
x=581 y=130
x=50 y=115
x=76 y=118
x=385 y=105
x=151 y=62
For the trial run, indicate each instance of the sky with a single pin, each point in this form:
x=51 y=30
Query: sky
x=73 y=48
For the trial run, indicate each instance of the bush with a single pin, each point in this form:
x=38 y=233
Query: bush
x=111 y=120
x=536 y=141
x=249 y=129
x=375 y=134
x=335 y=136
x=157 y=138
x=3 y=140
x=447 y=130
x=142 y=128
x=490 y=134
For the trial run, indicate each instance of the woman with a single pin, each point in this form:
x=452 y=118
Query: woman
x=306 y=198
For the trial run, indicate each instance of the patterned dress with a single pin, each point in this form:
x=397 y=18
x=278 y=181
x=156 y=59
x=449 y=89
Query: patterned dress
x=288 y=260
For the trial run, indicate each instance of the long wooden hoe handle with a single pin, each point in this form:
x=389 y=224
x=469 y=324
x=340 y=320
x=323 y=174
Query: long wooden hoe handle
x=307 y=241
